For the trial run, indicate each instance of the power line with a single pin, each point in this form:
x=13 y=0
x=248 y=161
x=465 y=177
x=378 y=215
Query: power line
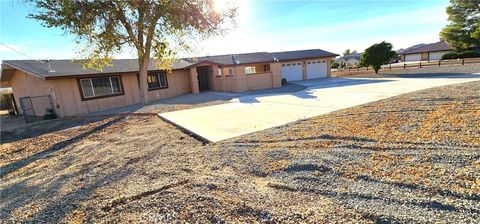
x=19 y=52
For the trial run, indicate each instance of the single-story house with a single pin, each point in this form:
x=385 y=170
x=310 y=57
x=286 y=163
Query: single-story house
x=350 y=60
x=428 y=52
x=69 y=89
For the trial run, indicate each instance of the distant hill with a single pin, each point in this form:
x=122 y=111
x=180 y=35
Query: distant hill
x=401 y=50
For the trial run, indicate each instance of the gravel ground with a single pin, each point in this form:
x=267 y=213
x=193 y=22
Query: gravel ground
x=412 y=158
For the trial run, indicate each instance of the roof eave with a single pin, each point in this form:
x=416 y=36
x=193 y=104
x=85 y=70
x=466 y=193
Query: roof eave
x=23 y=70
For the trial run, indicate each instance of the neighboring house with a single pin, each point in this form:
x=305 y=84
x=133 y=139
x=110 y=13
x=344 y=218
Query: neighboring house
x=350 y=60
x=73 y=90
x=428 y=52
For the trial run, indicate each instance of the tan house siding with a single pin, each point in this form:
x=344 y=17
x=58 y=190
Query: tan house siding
x=70 y=102
x=67 y=100
x=24 y=85
x=240 y=82
x=178 y=84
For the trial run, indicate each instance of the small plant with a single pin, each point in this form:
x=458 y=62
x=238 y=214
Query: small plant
x=49 y=114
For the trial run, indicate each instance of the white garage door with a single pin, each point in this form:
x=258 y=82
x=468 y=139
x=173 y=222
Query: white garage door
x=316 y=69
x=435 y=56
x=413 y=57
x=292 y=71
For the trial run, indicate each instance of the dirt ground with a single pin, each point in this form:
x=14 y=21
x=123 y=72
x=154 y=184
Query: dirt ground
x=411 y=158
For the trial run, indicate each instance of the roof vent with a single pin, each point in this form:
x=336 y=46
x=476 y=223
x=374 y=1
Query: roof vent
x=234 y=60
x=49 y=68
x=275 y=59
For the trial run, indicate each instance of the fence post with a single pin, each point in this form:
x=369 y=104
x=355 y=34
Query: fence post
x=420 y=64
x=390 y=67
x=439 y=62
x=463 y=61
x=404 y=66
x=367 y=68
x=348 y=69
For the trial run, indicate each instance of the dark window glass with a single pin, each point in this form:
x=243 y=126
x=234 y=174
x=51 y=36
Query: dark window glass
x=157 y=80
x=266 y=67
x=116 y=85
x=152 y=80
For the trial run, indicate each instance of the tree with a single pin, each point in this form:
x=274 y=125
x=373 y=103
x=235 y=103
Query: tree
x=154 y=29
x=347 y=52
x=377 y=55
x=464 y=28
x=335 y=64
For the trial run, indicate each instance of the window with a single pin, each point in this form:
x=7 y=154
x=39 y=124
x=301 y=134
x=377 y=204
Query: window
x=266 y=67
x=220 y=71
x=250 y=70
x=101 y=86
x=157 y=80
x=230 y=71
x=298 y=63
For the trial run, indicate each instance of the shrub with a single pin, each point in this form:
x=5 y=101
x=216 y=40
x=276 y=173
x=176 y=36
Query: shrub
x=449 y=56
x=465 y=54
x=469 y=54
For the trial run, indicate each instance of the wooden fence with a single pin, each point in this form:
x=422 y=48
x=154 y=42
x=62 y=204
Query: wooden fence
x=421 y=64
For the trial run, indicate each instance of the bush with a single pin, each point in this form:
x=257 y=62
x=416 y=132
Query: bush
x=469 y=54
x=449 y=56
x=465 y=54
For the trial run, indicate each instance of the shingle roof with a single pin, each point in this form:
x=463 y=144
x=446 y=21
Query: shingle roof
x=312 y=53
x=68 y=68
x=438 y=46
x=356 y=56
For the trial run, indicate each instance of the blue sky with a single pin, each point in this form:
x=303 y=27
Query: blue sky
x=262 y=25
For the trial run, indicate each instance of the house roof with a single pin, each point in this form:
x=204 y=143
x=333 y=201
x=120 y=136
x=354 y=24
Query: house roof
x=293 y=55
x=352 y=56
x=62 y=68
x=438 y=46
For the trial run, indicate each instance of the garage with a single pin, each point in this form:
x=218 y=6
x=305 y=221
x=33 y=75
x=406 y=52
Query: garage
x=413 y=57
x=317 y=69
x=292 y=71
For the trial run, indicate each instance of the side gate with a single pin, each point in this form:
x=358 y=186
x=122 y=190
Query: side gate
x=35 y=107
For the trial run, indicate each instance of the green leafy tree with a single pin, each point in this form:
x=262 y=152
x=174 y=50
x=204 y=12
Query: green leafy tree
x=377 y=55
x=464 y=28
x=347 y=52
x=154 y=29
x=335 y=64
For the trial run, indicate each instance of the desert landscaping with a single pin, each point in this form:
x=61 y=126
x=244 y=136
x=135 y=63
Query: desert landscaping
x=410 y=158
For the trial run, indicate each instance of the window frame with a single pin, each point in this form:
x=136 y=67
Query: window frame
x=80 y=87
x=159 y=82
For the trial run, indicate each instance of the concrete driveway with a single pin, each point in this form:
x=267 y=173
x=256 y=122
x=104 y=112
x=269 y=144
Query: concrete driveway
x=251 y=113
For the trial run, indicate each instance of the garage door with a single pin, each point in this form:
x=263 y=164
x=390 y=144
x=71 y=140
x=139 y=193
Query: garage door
x=316 y=69
x=435 y=56
x=413 y=57
x=292 y=71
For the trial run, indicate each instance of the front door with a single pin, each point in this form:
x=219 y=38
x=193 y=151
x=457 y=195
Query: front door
x=203 y=77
